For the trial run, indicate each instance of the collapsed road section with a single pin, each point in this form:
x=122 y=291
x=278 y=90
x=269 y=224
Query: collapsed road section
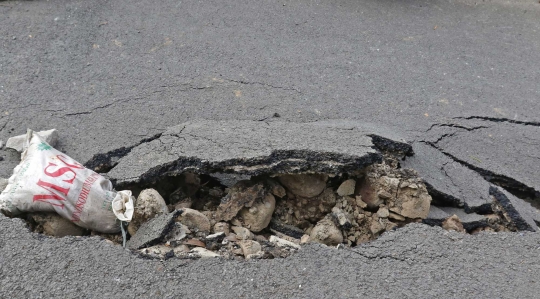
x=254 y=190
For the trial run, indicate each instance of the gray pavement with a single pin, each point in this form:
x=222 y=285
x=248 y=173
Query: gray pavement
x=457 y=79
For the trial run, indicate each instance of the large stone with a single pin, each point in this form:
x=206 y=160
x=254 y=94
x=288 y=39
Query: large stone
x=258 y=216
x=241 y=195
x=154 y=231
x=412 y=201
x=17 y=142
x=304 y=185
x=195 y=220
x=52 y=224
x=326 y=232
x=243 y=233
x=148 y=205
x=346 y=188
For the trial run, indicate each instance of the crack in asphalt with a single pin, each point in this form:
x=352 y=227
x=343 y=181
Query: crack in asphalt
x=501 y=119
x=512 y=185
x=264 y=84
x=103 y=162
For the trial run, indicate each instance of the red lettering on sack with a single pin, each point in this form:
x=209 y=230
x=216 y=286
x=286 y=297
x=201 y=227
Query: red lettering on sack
x=52 y=196
x=59 y=172
x=74 y=165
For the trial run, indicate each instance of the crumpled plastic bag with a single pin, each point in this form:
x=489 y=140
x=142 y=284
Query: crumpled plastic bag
x=48 y=180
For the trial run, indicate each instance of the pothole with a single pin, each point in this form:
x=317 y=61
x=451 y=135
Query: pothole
x=271 y=216
x=252 y=190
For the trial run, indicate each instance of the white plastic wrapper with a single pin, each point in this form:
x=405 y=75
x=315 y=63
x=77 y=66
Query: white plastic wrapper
x=47 y=180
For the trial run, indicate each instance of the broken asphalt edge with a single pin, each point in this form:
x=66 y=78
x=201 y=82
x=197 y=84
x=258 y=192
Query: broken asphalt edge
x=298 y=161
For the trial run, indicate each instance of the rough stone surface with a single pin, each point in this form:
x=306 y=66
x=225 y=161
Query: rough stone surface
x=249 y=247
x=305 y=210
x=519 y=212
x=243 y=233
x=453 y=223
x=149 y=204
x=195 y=220
x=17 y=142
x=346 y=188
x=153 y=231
x=258 y=148
x=258 y=216
x=241 y=195
x=326 y=232
x=52 y=224
x=204 y=253
x=401 y=187
x=222 y=227
x=304 y=185
x=282 y=242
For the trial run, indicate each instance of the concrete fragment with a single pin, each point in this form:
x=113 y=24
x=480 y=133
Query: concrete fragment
x=342 y=219
x=240 y=195
x=383 y=212
x=158 y=251
x=347 y=187
x=519 y=212
x=222 y=227
x=148 y=205
x=412 y=201
x=304 y=185
x=177 y=233
x=326 y=232
x=153 y=231
x=249 y=247
x=305 y=239
x=243 y=233
x=360 y=203
x=255 y=256
x=453 y=223
x=258 y=216
x=204 y=253
x=283 y=242
x=195 y=220
x=52 y=224
x=17 y=142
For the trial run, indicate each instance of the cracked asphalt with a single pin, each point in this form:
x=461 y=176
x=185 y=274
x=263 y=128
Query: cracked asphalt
x=456 y=79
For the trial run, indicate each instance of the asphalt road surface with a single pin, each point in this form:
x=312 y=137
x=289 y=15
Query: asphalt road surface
x=456 y=79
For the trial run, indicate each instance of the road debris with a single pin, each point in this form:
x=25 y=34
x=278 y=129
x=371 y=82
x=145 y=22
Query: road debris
x=271 y=206
x=47 y=180
x=18 y=143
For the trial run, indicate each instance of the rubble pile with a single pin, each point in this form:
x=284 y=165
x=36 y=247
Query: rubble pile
x=195 y=216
